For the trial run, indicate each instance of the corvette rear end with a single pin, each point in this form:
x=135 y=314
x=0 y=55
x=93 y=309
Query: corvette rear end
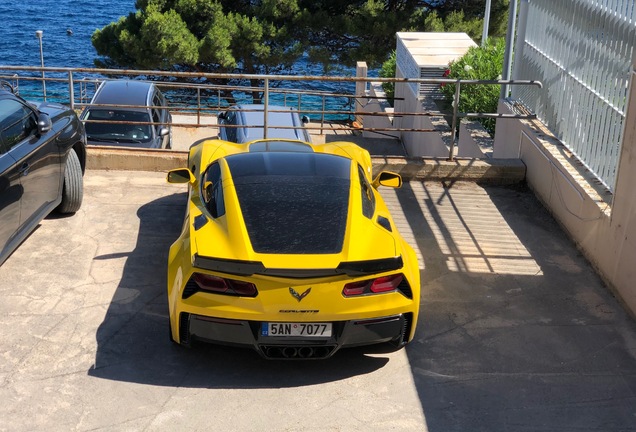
x=291 y=253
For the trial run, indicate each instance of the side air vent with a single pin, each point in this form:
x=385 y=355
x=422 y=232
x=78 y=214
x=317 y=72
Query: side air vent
x=384 y=223
x=405 y=289
x=406 y=329
x=184 y=328
x=190 y=289
x=200 y=221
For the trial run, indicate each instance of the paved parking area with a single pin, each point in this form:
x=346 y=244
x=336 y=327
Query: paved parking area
x=517 y=333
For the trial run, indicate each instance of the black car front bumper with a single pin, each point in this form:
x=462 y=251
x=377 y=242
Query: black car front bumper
x=394 y=329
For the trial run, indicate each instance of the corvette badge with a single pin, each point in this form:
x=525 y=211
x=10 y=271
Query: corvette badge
x=297 y=296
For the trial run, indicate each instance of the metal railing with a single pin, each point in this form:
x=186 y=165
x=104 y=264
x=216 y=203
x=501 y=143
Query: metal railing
x=583 y=51
x=188 y=96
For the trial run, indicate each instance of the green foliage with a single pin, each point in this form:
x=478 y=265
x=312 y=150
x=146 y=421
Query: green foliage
x=484 y=63
x=209 y=35
x=388 y=71
x=456 y=21
x=467 y=16
x=433 y=23
x=468 y=19
x=348 y=31
x=268 y=36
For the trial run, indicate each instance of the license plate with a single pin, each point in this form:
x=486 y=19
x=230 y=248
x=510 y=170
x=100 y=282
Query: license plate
x=296 y=329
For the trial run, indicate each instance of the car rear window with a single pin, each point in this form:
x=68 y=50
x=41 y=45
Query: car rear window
x=293 y=203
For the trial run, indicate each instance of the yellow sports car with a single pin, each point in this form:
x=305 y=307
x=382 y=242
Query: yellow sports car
x=288 y=248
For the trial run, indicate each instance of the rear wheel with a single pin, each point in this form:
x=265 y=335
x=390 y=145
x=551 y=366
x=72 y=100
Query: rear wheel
x=73 y=190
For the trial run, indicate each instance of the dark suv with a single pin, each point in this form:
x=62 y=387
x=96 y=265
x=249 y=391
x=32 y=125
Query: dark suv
x=128 y=113
x=42 y=161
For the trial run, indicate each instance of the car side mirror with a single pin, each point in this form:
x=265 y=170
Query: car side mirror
x=44 y=123
x=164 y=131
x=180 y=175
x=388 y=179
x=305 y=119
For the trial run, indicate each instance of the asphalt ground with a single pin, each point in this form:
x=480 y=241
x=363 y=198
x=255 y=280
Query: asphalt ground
x=516 y=332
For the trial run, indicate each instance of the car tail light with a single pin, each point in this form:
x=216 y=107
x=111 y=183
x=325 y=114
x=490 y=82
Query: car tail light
x=382 y=284
x=355 y=288
x=220 y=285
x=386 y=283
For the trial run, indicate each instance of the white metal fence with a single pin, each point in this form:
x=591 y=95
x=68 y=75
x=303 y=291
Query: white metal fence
x=582 y=52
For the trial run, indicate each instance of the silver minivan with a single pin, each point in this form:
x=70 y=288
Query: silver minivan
x=128 y=113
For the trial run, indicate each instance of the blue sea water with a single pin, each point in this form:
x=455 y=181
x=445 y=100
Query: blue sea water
x=19 y=46
x=20 y=19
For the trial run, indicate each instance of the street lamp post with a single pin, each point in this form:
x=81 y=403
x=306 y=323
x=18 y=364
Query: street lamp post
x=484 y=34
x=38 y=34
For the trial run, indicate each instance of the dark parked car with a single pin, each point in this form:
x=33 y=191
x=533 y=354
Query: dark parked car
x=247 y=124
x=140 y=119
x=42 y=161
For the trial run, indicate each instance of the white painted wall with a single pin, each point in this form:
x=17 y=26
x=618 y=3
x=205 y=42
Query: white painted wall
x=602 y=226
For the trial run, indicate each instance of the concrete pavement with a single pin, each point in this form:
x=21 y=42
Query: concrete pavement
x=517 y=333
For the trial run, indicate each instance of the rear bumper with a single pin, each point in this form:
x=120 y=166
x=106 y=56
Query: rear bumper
x=395 y=329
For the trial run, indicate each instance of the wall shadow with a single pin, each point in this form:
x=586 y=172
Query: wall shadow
x=506 y=350
x=133 y=340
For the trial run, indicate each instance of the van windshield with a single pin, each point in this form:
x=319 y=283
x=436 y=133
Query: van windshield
x=118 y=126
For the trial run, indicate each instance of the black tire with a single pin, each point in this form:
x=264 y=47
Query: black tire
x=73 y=190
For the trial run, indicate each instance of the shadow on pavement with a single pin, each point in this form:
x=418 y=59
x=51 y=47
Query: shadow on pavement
x=516 y=330
x=133 y=340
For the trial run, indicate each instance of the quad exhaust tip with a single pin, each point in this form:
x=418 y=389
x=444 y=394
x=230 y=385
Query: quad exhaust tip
x=296 y=352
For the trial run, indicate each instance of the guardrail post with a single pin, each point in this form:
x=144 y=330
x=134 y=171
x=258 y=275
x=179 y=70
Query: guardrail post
x=507 y=66
x=16 y=87
x=451 y=156
x=361 y=88
x=198 y=106
x=265 y=107
x=322 y=117
x=71 y=90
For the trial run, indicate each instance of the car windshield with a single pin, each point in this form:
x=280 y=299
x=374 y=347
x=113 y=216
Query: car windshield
x=117 y=131
x=293 y=203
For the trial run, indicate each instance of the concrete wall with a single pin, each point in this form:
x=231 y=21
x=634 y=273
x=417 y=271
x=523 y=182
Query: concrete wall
x=601 y=224
x=428 y=144
x=377 y=103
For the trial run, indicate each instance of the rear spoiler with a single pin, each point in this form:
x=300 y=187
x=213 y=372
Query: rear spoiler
x=249 y=268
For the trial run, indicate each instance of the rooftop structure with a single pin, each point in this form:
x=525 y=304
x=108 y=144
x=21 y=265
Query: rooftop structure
x=427 y=55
